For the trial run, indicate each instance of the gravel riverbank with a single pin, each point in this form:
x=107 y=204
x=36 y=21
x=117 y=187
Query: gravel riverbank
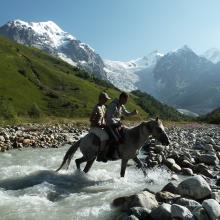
x=39 y=136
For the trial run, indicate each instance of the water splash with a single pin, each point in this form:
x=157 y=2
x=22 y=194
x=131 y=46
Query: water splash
x=30 y=189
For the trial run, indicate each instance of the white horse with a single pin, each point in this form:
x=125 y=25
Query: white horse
x=134 y=138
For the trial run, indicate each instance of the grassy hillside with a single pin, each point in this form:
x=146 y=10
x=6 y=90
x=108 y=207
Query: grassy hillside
x=34 y=85
x=212 y=117
x=156 y=108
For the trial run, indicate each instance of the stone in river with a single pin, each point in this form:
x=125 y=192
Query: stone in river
x=195 y=187
x=212 y=208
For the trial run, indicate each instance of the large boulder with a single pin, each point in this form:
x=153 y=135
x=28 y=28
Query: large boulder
x=143 y=199
x=200 y=213
x=212 y=208
x=180 y=212
x=188 y=203
x=209 y=159
x=170 y=187
x=140 y=212
x=162 y=212
x=195 y=187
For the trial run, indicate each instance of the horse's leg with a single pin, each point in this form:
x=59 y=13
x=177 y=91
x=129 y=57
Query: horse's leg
x=140 y=165
x=123 y=166
x=79 y=161
x=89 y=165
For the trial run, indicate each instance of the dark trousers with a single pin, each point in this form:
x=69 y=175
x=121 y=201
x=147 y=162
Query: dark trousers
x=115 y=133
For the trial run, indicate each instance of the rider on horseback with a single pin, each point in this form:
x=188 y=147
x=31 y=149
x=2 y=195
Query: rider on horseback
x=97 y=120
x=114 y=112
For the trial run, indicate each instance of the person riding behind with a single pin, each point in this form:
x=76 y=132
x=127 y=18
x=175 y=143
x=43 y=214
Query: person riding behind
x=98 y=123
x=114 y=112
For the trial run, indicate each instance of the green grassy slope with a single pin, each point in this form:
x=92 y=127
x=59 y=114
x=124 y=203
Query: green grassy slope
x=156 y=108
x=212 y=117
x=34 y=84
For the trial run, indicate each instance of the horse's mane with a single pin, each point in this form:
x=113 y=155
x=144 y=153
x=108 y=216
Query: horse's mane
x=138 y=125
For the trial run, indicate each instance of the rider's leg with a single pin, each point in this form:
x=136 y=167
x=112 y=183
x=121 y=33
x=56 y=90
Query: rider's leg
x=102 y=155
x=88 y=165
x=79 y=161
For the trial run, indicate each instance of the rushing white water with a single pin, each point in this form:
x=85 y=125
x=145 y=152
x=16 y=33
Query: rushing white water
x=31 y=190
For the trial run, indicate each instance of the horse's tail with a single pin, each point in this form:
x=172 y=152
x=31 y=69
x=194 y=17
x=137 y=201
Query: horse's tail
x=69 y=155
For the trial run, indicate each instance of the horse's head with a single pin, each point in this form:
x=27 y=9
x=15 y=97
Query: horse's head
x=156 y=129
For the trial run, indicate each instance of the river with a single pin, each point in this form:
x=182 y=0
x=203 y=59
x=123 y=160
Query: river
x=31 y=190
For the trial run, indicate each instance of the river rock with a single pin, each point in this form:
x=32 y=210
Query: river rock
x=165 y=196
x=2 y=139
x=216 y=196
x=187 y=171
x=162 y=212
x=218 y=155
x=176 y=168
x=200 y=213
x=170 y=187
x=180 y=212
x=125 y=216
x=188 y=203
x=210 y=140
x=186 y=163
x=158 y=148
x=216 y=147
x=195 y=187
x=169 y=162
x=209 y=159
x=143 y=199
x=208 y=147
x=202 y=169
x=140 y=213
x=131 y=217
x=26 y=141
x=212 y=208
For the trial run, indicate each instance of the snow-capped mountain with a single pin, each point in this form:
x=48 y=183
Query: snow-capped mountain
x=49 y=37
x=186 y=80
x=177 y=69
x=180 y=78
x=213 y=55
x=128 y=75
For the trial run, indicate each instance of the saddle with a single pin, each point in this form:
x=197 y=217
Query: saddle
x=113 y=151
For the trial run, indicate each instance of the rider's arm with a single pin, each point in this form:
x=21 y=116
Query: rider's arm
x=94 y=118
x=126 y=112
x=111 y=115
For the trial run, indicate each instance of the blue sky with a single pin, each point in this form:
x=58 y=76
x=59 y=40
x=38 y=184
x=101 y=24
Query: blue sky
x=126 y=29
